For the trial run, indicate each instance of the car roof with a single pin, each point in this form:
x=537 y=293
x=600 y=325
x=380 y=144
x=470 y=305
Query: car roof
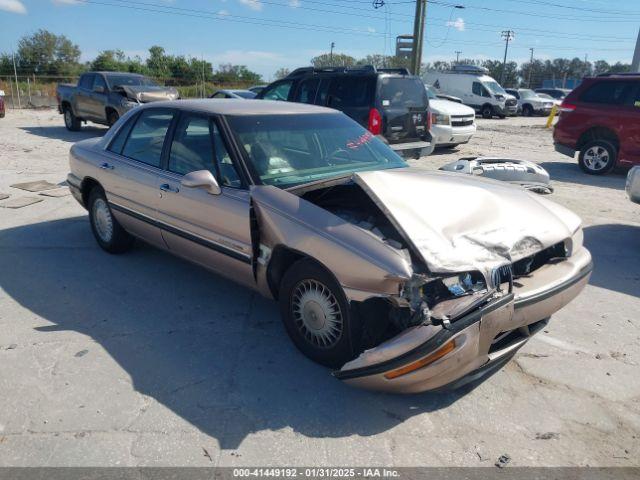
x=229 y=106
x=120 y=73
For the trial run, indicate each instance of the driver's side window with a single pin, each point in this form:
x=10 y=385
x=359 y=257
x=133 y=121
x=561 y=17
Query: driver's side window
x=476 y=88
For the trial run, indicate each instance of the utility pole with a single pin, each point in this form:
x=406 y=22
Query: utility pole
x=508 y=35
x=331 y=54
x=587 y=70
x=418 y=36
x=458 y=52
x=15 y=73
x=530 y=67
x=635 y=64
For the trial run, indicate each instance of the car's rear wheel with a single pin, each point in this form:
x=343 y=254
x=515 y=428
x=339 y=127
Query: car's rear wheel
x=70 y=120
x=112 y=117
x=108 y=232
x=316 y=314
x=487 y=111
x=597 y=157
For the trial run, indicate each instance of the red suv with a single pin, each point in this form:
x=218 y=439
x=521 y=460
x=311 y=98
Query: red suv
x=601 y=120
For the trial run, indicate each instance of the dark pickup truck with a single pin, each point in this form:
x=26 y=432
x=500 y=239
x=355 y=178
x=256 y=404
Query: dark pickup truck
x=103 y=97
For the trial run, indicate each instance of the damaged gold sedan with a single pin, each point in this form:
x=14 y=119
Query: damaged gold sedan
x=399 y=279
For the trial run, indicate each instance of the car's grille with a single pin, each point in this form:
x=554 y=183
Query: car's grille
x=462 y=121
x=530 y=264
x=511 y=102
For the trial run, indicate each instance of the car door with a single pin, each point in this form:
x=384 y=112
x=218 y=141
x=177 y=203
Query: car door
x=307 y=90
x=97 y=99
x=83 y=95
x=131 y=169
x=211 y=230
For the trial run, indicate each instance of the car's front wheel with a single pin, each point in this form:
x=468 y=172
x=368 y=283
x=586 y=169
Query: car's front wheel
x=597 y=157
x=487 y=111
x=108 y=232
x=315 y=313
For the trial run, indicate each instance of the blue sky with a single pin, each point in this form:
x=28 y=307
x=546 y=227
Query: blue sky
x=268 y=34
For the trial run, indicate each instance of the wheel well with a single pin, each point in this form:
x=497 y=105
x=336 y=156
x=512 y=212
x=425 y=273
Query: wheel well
x=66 y=105
x=527 y=105
x=108 y=110
x=598 y=133
x=281 y=260
x=88 y=184
x=487 y=105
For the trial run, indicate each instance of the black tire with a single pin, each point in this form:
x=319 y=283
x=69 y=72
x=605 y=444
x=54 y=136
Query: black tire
x=72 y=122
x=527 y=110
x=501 y=117
x=114 y=238
x=597 y=157
x=112 y=117
x=487 y=111
x=304 y=276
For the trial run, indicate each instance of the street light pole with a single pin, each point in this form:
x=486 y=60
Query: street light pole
x=331 y=53
x=508 y=36
x=15 y=73
x=458 y=56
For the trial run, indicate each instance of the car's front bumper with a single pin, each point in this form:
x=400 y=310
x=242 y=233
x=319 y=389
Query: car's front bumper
x=483 y=340
x=449 y=135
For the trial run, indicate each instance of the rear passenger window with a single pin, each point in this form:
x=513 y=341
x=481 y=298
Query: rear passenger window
x=351 y=91
x=609 y=92
x=86 y=81
x=307 y=91
x=147 y=137
x=121 y=136
x=191 y=149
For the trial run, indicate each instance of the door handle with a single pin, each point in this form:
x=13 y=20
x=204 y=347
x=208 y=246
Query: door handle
x=107 y=166
x=165 y=187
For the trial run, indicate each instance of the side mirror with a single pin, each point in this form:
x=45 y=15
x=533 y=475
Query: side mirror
x=98 y=89
x=202 y=179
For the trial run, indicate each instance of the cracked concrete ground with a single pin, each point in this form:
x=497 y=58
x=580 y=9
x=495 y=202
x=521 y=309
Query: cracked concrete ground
x=144 y=359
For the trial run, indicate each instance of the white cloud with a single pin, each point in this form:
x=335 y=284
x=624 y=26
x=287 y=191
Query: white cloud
x=294 y=3
x=13 y=6
x=252 y=4
x=223 y=13
x=66 y=2
x=458 y=24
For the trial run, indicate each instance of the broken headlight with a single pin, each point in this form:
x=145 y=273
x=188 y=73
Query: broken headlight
x=573 y=244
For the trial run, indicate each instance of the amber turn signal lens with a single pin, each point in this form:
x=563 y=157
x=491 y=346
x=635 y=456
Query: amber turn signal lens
x=423 y=362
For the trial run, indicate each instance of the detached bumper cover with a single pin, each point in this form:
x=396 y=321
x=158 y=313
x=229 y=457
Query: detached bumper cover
x=484 y=340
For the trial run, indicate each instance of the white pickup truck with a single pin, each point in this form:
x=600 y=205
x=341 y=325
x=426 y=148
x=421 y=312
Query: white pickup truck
x=452 y=123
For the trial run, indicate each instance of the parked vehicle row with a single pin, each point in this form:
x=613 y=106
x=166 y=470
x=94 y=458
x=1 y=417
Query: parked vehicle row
x=452 y=123
x=377 y=273
x=600 y=119
x=103 y=97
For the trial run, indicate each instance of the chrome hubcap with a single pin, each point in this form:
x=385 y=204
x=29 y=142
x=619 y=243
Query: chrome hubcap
x=596 y=158
x=103 y=220
x=316 y=313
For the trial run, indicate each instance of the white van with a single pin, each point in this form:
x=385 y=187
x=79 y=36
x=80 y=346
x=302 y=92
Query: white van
x=476 y=89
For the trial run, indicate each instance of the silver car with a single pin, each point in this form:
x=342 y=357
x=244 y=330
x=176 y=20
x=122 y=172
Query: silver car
x=397 y=278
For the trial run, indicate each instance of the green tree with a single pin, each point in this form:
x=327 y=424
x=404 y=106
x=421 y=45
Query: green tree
x=281 y=73
x=337 y=60
x=158 y=62
x=46 y=53
x=228 y=73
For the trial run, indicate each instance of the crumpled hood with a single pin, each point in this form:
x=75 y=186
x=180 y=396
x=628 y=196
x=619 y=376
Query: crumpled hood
x=150 y=93
x=458 y=223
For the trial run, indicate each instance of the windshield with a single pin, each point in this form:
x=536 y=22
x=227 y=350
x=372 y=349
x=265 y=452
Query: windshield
x=403 y=92
x=526 y=93
x=494 y=87
x=288 y=150
x=544 y=95
x=129 y=80
x=431 y=93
